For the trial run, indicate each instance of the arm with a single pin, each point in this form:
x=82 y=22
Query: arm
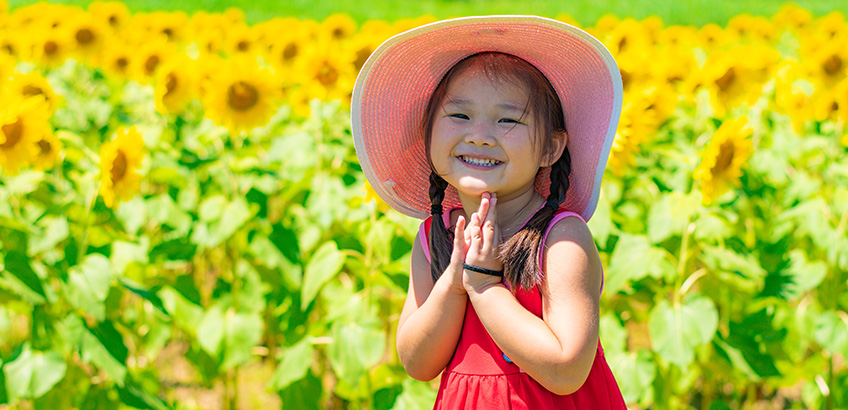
x=431 y=321
x=559 y=349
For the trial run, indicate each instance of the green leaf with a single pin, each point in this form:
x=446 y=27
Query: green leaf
x=634 y=371
x=23 y=280
x=633 y=259
x=601 y=223
x=356 y=347
x=229 y=336
x=303 y=394
x=296 y=361
x=88 y=285
x=677 y=330
x=325 y=264
x=758 y=341
x=832 y=332
x=805 y=275
x=55 y=230
x=33 y=373
x=416 y=395
x=132 y=215
x=669 y=215
x=212 y=208
x=210 y=331
x=243 y=331
x=125 y=253
x=184 y=312
x=94 y=351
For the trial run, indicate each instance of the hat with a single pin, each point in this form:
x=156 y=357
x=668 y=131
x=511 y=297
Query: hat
x=394 y=86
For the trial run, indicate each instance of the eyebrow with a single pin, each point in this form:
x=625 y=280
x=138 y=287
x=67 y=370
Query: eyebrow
x=506 y=105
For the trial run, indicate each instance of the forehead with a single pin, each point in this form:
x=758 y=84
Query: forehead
x=477 y=82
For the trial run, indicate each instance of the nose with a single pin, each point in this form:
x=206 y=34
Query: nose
x=481 y=133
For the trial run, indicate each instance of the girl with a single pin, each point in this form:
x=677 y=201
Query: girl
x=499 y=128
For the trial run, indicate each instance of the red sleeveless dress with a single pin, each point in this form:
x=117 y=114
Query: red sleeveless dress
x=480 y=376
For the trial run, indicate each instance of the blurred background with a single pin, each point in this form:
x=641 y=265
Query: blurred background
x=184 y=223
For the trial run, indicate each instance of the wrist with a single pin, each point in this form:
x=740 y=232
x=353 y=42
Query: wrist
x=477 y=290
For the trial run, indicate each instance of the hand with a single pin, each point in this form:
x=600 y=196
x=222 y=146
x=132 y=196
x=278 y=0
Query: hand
x=460 y=248
x=482 y=239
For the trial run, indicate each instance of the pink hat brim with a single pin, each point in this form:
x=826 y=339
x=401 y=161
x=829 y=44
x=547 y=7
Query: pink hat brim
x=392 y=90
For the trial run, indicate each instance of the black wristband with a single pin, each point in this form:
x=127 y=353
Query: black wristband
x=498 y=273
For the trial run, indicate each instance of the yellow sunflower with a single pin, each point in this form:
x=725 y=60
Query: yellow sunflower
x=240 y=40
x=24 y=122
x=175 y=85
x=330 y=66
x=148 y=57
x=338 y=26
x=722 y=160
x=49 y=150
x=50 y=48
x=638 y=122
x=241 y=95
x=115 y=14
x=792 y=17
x=31 y=84
x=116 y=61
x=120 y=160
x=87 y=35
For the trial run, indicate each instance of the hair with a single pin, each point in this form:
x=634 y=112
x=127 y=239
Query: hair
x=520 y=253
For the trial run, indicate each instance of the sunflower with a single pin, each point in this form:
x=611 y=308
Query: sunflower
x=722 y=160
x=31 y=84
x=115 y=14
x=50 y=48
x=240 y=40
x=329 y=66
x=120 y=160
x=49 y=150
x=638 y=121
x=175 y=85
x=24 y=122
x=87 y=35
x=287 y=46
x=241 y=95
x=338 y=26
x=149 y=56
x=116 y=61
x=792 y=16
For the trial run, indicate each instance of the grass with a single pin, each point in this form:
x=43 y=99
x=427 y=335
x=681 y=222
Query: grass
x=686 y=12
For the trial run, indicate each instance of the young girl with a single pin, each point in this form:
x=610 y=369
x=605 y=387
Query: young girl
x=496 y=131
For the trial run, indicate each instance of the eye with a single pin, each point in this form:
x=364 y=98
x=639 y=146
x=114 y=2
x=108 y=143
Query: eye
x=458 y=116
x=509 y=121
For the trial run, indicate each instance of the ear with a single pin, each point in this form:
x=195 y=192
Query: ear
x=559 y=140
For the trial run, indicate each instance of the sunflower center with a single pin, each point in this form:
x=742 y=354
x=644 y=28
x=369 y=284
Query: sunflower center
x=362 y=56
x=30 y=90
x=168 y=32
x=833 y=65
x=45 y=147
x=170 y=83
x=725 y=157
x=327 y=75
x=150 y=64
x=338 y=33
x=122 y=62
x=290 y=51
x=242 y=96
x=243 y=46
x=727 y=79
x=113 y=20
x=50 y=47
x=13 y=133
x=119 y=166
x=84 y=36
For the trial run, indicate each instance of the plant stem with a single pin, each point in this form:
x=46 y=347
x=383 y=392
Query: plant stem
x=89 y=205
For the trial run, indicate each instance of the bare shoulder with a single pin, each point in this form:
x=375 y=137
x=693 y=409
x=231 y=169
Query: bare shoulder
x=571 y=255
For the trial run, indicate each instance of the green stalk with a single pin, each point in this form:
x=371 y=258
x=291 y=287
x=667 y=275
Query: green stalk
x=89 y=206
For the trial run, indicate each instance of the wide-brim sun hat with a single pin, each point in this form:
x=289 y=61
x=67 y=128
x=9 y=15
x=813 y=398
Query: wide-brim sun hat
x=393 y=88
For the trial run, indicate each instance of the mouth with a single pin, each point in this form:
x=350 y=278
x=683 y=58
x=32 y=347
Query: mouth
x=480 y=162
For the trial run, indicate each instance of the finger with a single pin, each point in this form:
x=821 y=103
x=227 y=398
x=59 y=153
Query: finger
x=460 y=245
x=484 y=207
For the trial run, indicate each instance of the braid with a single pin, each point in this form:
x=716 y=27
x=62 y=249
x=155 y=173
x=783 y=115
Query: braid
x=440 y=240
x=520 y=254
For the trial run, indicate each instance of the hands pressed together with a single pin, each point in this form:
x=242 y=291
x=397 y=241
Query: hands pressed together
x=476 y=244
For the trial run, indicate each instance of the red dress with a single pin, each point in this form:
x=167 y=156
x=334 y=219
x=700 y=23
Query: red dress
x=479 y=376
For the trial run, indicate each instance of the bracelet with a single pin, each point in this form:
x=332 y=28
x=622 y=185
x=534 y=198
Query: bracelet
x=478 y=269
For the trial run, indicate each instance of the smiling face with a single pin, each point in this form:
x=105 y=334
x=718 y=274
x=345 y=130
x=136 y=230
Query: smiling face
x=483 y=138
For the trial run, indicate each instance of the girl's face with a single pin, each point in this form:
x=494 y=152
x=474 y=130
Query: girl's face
x=482 y=138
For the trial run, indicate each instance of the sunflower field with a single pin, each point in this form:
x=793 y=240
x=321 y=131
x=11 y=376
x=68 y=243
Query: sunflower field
x=184 y=223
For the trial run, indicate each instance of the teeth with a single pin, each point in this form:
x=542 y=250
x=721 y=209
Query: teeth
x=480 y=161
